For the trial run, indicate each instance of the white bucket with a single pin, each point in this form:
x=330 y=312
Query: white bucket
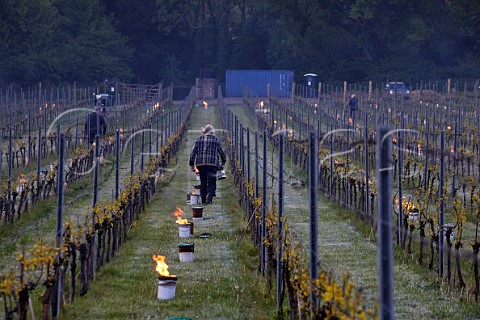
x=184 y=230
x=166 y=289
x=194 y=199
x=186 y=256
x=186 y=252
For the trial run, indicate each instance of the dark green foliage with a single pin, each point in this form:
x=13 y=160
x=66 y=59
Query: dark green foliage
x=148 y=41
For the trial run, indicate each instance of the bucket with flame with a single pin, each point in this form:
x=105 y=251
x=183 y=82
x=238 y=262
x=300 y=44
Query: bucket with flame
x=166 y=283
x=184 y=228
x=194 y=199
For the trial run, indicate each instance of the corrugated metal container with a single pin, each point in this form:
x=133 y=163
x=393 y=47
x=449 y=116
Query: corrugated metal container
x=256 y=80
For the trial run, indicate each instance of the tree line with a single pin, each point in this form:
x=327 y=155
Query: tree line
x=147 y=41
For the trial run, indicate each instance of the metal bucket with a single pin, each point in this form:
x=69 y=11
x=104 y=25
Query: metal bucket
x=166 y=288
x=184 y=230
x=196 y=189
x=186 y=252
x=197 y=213
x=194 y=199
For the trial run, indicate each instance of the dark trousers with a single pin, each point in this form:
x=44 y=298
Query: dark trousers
x=208 y=182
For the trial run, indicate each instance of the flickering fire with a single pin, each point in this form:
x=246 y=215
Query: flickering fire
x=161 y=267
x=350 y=120
x=205 y=104
x=178 y=213
x=261 y=104
x=449 y=128
x=21 y=178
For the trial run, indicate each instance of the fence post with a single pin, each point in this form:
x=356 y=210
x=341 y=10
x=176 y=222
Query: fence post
x=256 y=165
x=264 y=201
x=117 y=163
x=442 y=203
x=39 y=155
x=385 y=243
x=248 y=155
x=242 y=150
x=132 y=153
x=400 y=190
x=331 y=162
x=29 y=138
x=76 y=134
x=150 y=147
x=279 y=222
x=142 y=150
x=313 y=176
x=367 y=172
x=10 y=164
x=59 y=227
x=96 y=169
x=157 y=141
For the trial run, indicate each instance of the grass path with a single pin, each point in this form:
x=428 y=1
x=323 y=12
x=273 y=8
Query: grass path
x=344 y=249
x=220 y=284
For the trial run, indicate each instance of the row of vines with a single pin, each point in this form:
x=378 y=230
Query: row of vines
x=87 y=245
x=347 y=155
x=336 y=299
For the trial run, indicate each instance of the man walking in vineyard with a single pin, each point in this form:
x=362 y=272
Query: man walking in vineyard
x=204 y=157
x=95 y=124
x=353 y=106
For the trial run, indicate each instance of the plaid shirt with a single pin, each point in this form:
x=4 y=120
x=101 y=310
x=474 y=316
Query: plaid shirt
x=206 y=150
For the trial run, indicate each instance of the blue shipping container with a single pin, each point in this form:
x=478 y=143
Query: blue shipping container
x=256 y=81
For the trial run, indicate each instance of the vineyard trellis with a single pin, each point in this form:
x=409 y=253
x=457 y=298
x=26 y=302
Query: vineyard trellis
x=271 y=233
x=95 y=241
x=417 y=128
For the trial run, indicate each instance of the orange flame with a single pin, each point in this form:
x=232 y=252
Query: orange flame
x=350 y=120
x=21 y=178
x=161 y=267
x=205 y=104
x=178 y=212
